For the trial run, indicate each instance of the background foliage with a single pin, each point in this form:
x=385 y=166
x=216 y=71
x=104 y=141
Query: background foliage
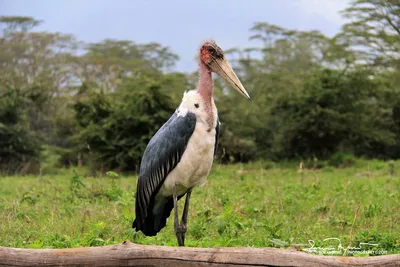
x=313 y=96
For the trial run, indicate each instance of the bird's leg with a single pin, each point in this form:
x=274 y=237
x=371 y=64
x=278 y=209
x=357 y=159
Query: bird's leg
x=177 y=226
x=184 y=215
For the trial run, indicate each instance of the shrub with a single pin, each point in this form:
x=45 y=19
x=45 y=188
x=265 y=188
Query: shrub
x=342 y=160
x=19 y=146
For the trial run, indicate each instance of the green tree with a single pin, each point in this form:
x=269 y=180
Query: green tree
x=374 y=30
x=19 y=146
x=334 y=111
x=116 y=127
x=273 y=71
x=107 y=63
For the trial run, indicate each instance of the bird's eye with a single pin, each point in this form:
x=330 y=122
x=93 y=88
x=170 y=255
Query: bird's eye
x=196 y=105
x=211 y=49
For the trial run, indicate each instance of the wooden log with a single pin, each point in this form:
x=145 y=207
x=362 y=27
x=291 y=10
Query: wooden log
x=129 y=254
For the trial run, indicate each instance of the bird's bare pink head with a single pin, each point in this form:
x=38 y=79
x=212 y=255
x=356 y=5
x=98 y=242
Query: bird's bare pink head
x=213 y=57
x=210 y=50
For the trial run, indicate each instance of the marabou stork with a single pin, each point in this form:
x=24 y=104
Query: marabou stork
x=179 y=156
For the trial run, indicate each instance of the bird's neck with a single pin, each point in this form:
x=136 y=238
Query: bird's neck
x=205 y=90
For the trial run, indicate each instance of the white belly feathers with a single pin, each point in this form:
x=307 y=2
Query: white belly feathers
x=197 y=160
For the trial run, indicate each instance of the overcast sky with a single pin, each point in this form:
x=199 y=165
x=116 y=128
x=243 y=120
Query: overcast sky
x=180 y=24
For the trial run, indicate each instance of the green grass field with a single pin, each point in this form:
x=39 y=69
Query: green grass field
x=256 y=205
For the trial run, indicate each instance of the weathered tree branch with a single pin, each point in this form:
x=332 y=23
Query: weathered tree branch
x=389 y=20
x=129 y=254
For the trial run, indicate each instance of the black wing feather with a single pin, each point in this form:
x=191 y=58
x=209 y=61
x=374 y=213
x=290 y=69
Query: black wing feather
x=161 y=156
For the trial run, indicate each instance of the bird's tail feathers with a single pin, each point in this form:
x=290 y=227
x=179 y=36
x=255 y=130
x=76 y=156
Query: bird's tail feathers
x=154 y=223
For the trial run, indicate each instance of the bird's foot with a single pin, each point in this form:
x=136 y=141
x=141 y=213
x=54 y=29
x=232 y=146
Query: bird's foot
x=180 y=231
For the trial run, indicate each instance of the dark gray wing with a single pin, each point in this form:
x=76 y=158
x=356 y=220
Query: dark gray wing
x=161 y=156
x=216 y=136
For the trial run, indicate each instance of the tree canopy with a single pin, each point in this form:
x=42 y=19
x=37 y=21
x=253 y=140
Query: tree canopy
x=312 y=95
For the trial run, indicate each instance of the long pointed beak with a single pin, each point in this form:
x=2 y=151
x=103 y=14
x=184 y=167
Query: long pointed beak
x=225 y=71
